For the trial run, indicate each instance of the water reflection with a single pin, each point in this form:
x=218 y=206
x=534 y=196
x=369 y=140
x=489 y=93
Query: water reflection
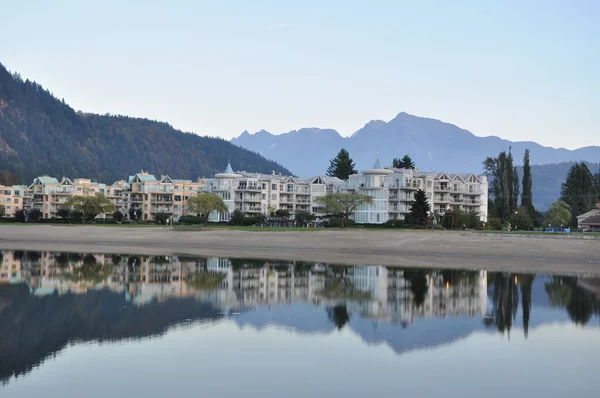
x=48 y=300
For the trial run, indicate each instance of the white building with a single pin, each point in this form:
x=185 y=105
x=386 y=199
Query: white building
x=256 y=193
x=393 y=190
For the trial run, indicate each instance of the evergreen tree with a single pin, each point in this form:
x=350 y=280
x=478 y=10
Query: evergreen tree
x=420 y=208
x=405 y=163
x=341 y=166
x=527 y=192
x=579 y=190
x=504 y=183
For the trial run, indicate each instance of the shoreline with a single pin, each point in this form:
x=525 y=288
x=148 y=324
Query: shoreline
x=427 y=249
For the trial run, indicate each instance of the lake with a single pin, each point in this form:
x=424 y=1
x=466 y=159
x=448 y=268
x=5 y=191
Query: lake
x=95 y=325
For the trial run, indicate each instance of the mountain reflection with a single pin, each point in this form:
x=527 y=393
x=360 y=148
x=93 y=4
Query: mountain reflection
x=48 y=300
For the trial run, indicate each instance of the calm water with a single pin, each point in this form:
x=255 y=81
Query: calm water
x=83 y=325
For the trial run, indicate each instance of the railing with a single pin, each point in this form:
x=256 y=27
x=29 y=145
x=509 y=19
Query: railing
x=250 y=188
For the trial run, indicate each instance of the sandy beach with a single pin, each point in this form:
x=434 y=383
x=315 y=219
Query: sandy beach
x=438 y=249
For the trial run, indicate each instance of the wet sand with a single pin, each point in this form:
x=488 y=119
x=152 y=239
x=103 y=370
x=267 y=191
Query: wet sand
x=436 y=249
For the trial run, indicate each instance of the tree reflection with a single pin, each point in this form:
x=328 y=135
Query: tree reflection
x=90 y=271
x=418 y=284
x=525 y=282
x=566 y=292
x=338 y=315
x=505 y=301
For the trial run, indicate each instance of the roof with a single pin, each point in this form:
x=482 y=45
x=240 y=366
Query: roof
x=593 y=220
x=142 y=177
x=47 y=180
x=590 y=213
x=377 y=165
x=228 y=169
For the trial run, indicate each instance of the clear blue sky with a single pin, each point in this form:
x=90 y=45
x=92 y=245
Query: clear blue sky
x=522 y=70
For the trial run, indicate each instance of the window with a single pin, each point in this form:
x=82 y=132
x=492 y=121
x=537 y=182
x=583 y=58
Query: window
x=429 y=184
x=7 y=192
x=264 y=185
x=264 y=196
x=16 y=201
x=273 y=187
x=274 y=196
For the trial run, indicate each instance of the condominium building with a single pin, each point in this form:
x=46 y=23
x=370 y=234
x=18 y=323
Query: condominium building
x=48 y=195
x=12 y=197
x=165 y=195
x=393 y=190
x=255 y=193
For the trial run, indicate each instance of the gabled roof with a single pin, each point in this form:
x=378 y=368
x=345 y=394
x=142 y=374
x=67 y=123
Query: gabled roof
x=44 y=180
x=291 y=179
x=141 y=177
x=166 y=179
x=590 y=213
x=66 y=181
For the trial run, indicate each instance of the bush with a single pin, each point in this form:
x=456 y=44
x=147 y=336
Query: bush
x=125 y=222
x=394 y=224
x=520 y=220
x=20 y=216
x=494 y=225
x=191 y=220
x=336 y=222
x=52 y=221
x=118 y=216
x=104 y=221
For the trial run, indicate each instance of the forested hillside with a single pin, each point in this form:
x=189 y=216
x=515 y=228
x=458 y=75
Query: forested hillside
x=40 y=134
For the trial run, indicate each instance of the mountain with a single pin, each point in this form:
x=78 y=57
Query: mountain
x=433 y=145
x=40 y=134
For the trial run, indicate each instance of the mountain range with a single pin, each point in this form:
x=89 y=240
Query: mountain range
x=42 y=135
x=433 y=145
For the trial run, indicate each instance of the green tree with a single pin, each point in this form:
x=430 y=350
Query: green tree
x=559 y=215
x=206 y=203
x=135 y=213
x=579 y=191
x=527 y=190
x=20 y=215
x=521 y=220
x=33 y=215
x=90 y=206
x=7 y=178
x=504 y=183
x=341 y=166
x=118 y=216
x=63 y=212
x=303 y=218
x=161 y=218
x=282 y=213
x=2 y=211
x=420 y=208
x=343 y=205
x=405 y=163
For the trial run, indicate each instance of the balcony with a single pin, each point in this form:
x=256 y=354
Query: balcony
x=306 y=201
x=442 y=188
x=248 y=198
x=161 y=209
x=250 y=209
x=250 y=188
x=286 y=199
x=393 y=197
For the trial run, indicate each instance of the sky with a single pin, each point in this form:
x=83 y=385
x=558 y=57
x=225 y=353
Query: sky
x=521 y=70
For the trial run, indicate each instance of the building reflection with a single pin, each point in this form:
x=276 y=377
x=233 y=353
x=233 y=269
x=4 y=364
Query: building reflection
x=374 y=291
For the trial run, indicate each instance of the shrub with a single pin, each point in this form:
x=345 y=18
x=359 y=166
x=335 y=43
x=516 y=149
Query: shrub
x=191 y=220
x=20 y=216
x=494 y=225
x=125 y=222
x=118 y=216
x=394 y=224
x=336 y=222
x=34 y=215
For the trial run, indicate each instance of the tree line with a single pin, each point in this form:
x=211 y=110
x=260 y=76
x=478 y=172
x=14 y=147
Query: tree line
x=580 y=192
